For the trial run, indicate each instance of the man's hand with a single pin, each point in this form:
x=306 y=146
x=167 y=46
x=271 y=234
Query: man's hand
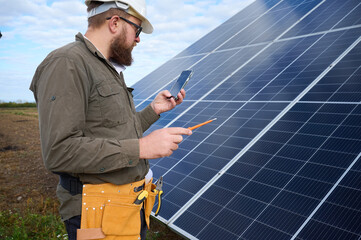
x=162 y=142
x=164 y=101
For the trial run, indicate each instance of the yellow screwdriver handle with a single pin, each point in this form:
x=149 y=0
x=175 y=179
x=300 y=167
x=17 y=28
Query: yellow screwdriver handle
x=141 y=197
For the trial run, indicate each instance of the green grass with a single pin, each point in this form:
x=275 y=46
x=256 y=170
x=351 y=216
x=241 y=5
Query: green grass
x=35 y=220
x=16 y=105
x=28 y=225
x=23 y=111
x=20 y=226
x=41 y=221
x=155 y=235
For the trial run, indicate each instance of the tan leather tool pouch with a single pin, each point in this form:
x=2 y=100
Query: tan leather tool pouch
x=121 y=220
x=108 y=212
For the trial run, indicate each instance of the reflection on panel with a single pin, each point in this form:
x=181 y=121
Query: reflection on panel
x=272 y=24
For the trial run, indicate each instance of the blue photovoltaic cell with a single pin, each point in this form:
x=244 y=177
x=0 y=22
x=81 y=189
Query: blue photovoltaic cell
x=285 y=69
x=282 y=160
x=210 y=70
x=342 y=83
x=215 y=68
x=272 y=24
x=332 y=14
x=262 y=70
x=273 y=191
x=352 y=18
x=211 y=147
x=310 y=64
x=255 y=75
x=227 y=30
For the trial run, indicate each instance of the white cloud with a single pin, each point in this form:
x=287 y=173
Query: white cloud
x=32 y=28
x=50 y=26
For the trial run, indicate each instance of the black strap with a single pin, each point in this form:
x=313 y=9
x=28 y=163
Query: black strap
x=70 y=183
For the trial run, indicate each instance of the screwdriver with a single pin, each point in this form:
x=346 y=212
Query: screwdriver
x=141 y=197
x=201 y=124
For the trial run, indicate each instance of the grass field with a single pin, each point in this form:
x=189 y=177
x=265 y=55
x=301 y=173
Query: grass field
x=28 y=204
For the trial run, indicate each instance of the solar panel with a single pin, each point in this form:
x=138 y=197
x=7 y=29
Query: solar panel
x=282 y=160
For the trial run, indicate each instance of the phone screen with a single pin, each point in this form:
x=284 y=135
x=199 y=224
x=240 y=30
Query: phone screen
x=180 y=83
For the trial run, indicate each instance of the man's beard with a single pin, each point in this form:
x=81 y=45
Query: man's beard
x=119 y=52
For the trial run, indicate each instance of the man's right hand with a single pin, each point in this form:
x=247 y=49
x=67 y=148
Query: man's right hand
x=162 y=142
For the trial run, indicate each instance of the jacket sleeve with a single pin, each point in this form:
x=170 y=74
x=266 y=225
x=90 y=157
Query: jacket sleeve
x=147 y=117
x=61 y=89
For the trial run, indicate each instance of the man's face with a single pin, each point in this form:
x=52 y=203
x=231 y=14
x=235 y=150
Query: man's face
x=122 y=45
x=120 y=50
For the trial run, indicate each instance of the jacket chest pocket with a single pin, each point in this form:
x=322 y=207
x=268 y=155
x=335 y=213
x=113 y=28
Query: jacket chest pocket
x=112 y=101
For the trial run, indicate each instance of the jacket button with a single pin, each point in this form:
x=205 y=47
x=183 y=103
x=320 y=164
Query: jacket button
x=130 y=162
x=102 y=170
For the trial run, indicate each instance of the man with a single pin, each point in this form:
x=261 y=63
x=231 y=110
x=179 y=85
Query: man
x=90 y=131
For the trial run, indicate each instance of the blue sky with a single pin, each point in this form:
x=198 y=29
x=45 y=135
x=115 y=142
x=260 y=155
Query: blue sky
x=33 y=28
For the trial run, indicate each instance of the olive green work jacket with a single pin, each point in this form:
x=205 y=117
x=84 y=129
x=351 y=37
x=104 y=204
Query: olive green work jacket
x=88 y=124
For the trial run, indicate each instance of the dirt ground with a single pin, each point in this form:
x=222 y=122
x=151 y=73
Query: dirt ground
x=24 y=181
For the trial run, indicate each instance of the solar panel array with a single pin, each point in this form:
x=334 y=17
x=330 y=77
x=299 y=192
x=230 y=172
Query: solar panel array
x=282 y=160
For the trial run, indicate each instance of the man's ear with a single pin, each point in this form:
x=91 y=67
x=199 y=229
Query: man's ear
x=113 y=25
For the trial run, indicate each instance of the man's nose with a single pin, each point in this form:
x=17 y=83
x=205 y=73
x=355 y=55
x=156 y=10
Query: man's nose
x=137 y=39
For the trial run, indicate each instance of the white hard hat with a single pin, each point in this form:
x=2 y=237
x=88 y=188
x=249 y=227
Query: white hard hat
x=135 y=8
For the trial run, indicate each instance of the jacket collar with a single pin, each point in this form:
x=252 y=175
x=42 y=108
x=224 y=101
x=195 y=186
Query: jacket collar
x=80 y=37
x=89 y=45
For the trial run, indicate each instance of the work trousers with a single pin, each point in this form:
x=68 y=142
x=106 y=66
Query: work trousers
x=73 y=224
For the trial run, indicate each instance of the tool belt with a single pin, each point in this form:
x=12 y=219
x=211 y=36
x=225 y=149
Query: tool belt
x=112 y=211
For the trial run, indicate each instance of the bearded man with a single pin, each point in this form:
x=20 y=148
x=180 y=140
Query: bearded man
x=91 y=134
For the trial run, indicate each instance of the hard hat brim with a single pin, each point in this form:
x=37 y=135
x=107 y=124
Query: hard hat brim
x=146 y=25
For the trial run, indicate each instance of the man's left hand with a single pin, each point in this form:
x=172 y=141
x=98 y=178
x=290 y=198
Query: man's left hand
x=164 y=101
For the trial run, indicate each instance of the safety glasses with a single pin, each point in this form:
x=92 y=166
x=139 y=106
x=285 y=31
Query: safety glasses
x=138 y=28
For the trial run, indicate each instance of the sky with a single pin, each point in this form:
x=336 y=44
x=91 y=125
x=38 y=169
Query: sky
x=31 y=29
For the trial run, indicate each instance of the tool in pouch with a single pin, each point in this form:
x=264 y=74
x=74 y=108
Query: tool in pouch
x=159 y=190
x=141 y=197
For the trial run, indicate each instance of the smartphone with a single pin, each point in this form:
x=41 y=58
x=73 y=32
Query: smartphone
x=180 y=83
